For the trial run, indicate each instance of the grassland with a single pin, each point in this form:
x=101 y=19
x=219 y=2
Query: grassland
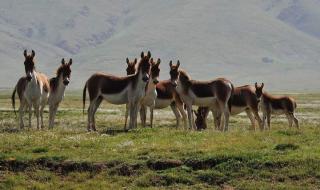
x=163 y=157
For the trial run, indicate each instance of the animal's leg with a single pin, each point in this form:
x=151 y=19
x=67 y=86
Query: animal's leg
x=95 y=108
x=90 y=108
x=151 y=116
x=216 y=118
x=251 y=117
x=257 y=117
x=132 y=106
x=269 y=120
x=126 y=116
x=51 y=108
x=37 y=111
x=30 y=115
x=264 y=117
x=21 y=113
x=224 y=108
x=143 y=115
x=290 y=119
x=190 y=116
x=136 y=114
x=54 y=114
x=183 y=114
x=41 y=113
x=176 y=114
x=296 y=121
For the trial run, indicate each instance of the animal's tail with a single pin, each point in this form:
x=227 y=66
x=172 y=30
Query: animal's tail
x=231 y=97
x=13 y=101
x=84 y=96
x=295 y=105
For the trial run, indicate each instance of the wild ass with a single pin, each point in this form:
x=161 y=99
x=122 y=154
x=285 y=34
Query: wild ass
x=166 y=95
x=277 y=105
x=57 y=87
x=244 y=99
x=149 y=100
x=33 y=91
x=118 y=90
x=215 y=93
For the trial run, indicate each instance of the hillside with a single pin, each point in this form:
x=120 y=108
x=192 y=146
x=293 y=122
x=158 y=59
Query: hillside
x=277 y=42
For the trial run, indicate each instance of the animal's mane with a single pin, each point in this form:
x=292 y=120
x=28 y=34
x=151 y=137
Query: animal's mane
x=184 y=73
x=59 y=71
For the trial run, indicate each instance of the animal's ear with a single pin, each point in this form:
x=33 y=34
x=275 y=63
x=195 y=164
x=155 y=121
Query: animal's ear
x=178 y=63
x=127 y=60
x=33 y=54
x=70 y=61
x=135 y=61
x=142 y=55
x=256 y=85
x=158 y=62
x=25 y=53
x=262 y=85
x=62 y=61
x=149 y=54
x=170 y=64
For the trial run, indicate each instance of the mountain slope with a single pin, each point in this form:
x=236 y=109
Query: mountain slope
x=247 y=41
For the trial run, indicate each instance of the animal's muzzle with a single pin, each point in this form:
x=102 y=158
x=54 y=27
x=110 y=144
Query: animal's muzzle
x=66 y=81
x=29 y=77
x=145 y=78
x=174 y=83
x=155 y=81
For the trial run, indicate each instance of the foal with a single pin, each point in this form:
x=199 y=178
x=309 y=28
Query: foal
x=214 y=93
x=276 y=105
x=149 y=100
x=118 y=90
x=33 y=91
x=57 y=86
x=244 y=99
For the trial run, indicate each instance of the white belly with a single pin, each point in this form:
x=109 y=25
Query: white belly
x=118 y=98
x=162 y=103
x=236 y=110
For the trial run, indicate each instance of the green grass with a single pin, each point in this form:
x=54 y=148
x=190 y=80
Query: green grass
x=163 y=157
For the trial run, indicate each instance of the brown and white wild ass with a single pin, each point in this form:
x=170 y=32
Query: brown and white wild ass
x=166 y=96
x=149 y=100
x=118 y=90
x=215 y=93
x=244 y=99
x=33 y=91
x=57 y=87
x=277 y=105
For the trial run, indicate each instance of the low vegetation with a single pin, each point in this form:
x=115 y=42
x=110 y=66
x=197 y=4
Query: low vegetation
x=162 y=157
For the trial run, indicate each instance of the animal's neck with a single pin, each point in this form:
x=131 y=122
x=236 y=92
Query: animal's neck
x=151 y=86
x=61 y=87
x=138 y=82
x=34 y=79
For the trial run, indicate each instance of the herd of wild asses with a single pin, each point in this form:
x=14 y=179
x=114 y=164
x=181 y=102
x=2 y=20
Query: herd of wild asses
x=141 y=89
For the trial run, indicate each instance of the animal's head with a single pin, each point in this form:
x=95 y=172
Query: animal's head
x=65 y=71
x=174 y=72
x=201 y=117
x=144 y=66
x=183 y=82
x=29 y=64
x=259 y=90
x=131 y=66
x=155 y=70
